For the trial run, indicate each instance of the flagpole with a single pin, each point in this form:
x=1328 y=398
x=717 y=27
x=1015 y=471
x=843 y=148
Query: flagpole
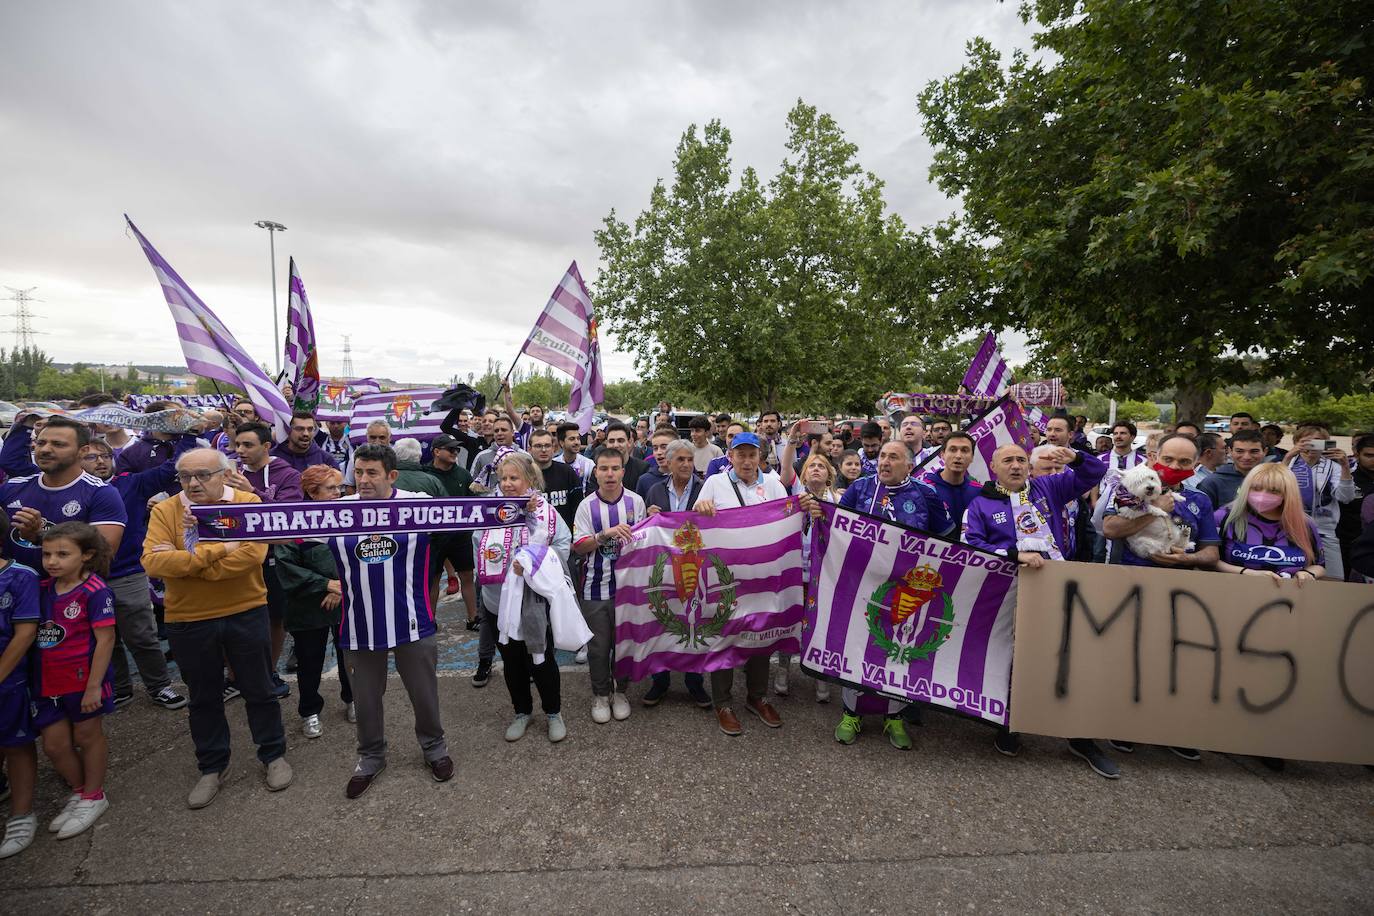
x=272 y=229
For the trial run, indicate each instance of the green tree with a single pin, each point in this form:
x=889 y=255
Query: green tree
x=1137 y=411
x=799 y=292
x=1178 y=194
x=630 y=396
x=544 y=389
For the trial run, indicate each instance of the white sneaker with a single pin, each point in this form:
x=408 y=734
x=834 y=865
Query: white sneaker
x=83 y=815
x=312 y=727
x=620 y=707
x=780 y=682
x=516 y=730
x=822 y=692
x=581 y=656
x=558 y=729
x=601 y=710
x=19 y=833
x=351 y=710
x=56 y=823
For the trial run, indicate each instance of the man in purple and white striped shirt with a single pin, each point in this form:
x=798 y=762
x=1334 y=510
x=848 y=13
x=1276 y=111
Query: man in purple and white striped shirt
x=386 y=610
x=602 y=525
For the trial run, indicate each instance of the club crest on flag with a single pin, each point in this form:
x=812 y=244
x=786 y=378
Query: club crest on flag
x=334 y=394
x=692 y=587
x=900 y=612
x=401 y=413
x=224 y=523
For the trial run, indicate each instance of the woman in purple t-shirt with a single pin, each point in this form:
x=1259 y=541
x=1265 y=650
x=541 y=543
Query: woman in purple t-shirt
x=1265 y=532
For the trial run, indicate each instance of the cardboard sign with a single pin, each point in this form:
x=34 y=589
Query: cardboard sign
x=1196 y=659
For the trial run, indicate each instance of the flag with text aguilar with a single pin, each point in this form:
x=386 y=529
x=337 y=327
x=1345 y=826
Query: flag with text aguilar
x=405 y=411
x=210 y=350
x=301 y=366
x=337 y=397
x=909 y=615
x=565 y=338
x=702 y=593
x=1002 y=424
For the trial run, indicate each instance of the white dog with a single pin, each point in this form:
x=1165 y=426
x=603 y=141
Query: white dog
x=1163 y=533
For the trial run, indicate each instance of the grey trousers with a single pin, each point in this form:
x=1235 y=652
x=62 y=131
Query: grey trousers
x=755 y=681
x=600 y=617
x=415 y=663
x=136 y=630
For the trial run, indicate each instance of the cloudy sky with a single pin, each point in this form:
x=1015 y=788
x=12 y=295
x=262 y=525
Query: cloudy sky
x=437 y=164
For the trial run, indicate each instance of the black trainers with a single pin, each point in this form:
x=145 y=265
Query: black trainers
x=1125 y=747
x=474 y=624
x=1102 y=765
x=123 y=699
x=231 y=692
x=657 y=691
x=1008 y=743
x=168 y=698
x=483 y=674
x=1187 y=753
x=280 y=689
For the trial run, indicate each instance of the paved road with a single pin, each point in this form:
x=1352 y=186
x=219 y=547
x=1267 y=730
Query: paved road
x=662 y=813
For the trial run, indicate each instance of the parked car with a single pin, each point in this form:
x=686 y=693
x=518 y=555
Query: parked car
x=1216 y=423
x=44 y=405
x=7 y=413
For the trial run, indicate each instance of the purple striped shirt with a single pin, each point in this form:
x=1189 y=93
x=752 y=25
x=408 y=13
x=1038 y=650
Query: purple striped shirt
x=595 y=515
x=385 y=579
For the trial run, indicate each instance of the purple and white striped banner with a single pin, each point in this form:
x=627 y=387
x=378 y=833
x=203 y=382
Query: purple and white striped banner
x=565 y=338
x=339 y=517
x=301 y=366
x=337 y=397
x=1002 y=424
x=909 y=615
x=988 y=374
x=702 y=593
x=405 y=410
x=210 y=350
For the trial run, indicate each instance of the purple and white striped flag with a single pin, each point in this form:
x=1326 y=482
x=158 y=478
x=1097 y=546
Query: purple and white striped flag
x=565 y=338
x=909 y=615
x=301 y=366
x=405 y=410
x=210 y=350
x=988 y=374
x=337 y=397
x=1002 y=424
x=702 y=593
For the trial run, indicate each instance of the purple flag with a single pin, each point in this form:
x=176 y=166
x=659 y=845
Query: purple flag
x=337 y=397
x=339 y=517
x=405 y=411
x=210 y=350
x=909 y=615
x=301 y=366
x=1002 y=424
x=565 y=338
x=701 y=593
x=989 y=373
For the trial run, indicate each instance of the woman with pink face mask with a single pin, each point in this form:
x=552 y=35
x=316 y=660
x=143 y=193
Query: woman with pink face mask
x=1265 y=532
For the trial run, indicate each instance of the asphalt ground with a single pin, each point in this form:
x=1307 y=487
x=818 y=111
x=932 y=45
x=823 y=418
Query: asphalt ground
x=663 y=813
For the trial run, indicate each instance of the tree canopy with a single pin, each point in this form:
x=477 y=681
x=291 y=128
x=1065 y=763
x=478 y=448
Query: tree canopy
x=1175 y=186
x=798 y=292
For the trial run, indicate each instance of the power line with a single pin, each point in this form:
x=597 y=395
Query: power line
x=348 y=357
x=23 y=318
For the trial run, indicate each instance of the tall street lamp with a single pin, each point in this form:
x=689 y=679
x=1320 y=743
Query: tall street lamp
x=272 y=230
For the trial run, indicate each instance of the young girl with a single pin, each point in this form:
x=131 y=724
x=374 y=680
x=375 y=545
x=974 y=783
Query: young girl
x=1265 y=531
x=851 y=469
x=75 y=686
x=517 y=476
x=18 y=629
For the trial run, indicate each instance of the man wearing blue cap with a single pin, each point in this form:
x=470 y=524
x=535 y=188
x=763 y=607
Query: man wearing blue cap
x=741 y=485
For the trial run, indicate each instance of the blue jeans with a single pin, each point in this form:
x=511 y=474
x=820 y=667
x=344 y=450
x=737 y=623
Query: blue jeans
x=201 y=648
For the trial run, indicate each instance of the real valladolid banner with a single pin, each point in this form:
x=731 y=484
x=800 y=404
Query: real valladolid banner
x=909 y=615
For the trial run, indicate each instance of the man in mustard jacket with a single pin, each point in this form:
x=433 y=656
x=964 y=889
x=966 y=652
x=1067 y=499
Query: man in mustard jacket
x=216 y=609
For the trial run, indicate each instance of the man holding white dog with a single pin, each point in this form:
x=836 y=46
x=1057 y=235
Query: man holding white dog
x=1190 y=510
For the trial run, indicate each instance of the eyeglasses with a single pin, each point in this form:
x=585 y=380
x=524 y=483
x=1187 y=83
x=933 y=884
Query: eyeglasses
x=95 y=456
x=201 y=476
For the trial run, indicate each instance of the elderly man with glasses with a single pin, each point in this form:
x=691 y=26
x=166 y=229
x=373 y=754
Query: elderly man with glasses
x=216 y=608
